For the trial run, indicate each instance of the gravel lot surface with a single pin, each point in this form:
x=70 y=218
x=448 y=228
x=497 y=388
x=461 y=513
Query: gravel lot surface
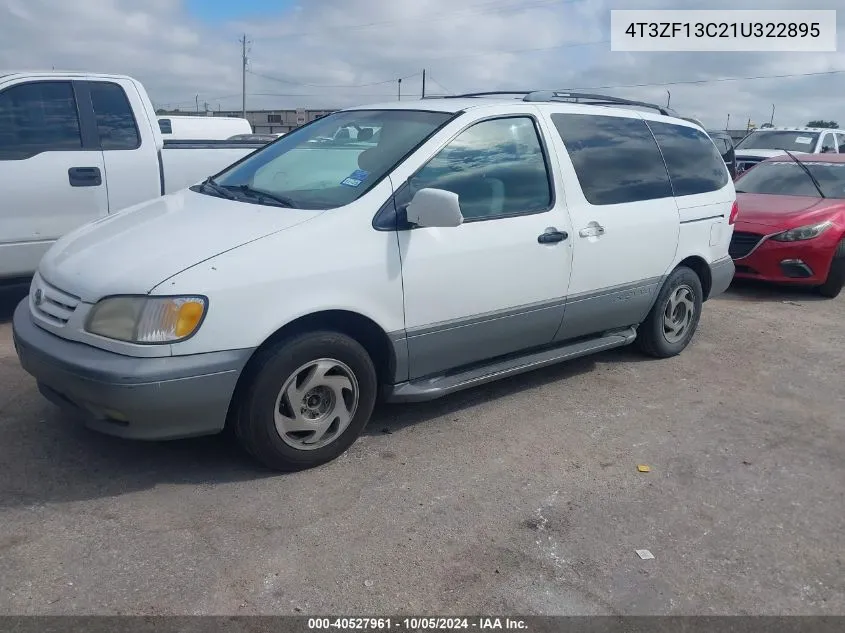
x=519 y=497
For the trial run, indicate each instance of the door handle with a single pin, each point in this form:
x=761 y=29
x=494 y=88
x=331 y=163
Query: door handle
x=84 y=177
x=552 y=235
x=593 y=230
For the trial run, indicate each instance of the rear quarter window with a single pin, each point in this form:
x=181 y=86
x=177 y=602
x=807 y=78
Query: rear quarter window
x=695 y=165
x=616 y=159
x=115 y=121
x=165 y=126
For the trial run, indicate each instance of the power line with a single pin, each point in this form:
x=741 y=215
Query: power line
x=518 y=51
x=444 y=57
x=447 y=15
x=607 y=87
x=445 y=89
x=297 y=83
x=716 y=80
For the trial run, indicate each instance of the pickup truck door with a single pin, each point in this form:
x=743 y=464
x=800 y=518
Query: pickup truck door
x=129 y=146
x=495 y=284
x=625 y=220
x=51 y=171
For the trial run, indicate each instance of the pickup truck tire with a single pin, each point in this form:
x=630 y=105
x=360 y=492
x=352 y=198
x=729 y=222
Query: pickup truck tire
x=308 y=399
x=832 y=286
x=673 y=319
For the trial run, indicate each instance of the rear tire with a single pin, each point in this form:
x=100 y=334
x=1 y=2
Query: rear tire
x=308 y=400
x=832 y=286
x=673 y=319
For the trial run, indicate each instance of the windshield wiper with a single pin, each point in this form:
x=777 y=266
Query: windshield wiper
x=806 y=170
x=265 y=196
x=209 y=185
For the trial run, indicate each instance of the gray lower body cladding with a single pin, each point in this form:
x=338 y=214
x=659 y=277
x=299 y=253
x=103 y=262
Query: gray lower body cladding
x=139 y=398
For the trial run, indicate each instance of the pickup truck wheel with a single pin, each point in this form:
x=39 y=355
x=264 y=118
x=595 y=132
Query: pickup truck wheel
x=832 y=286
x=674 y=317
x=309 y=399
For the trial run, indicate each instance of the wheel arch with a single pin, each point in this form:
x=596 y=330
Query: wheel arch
x=701 y=268
x=362 y=329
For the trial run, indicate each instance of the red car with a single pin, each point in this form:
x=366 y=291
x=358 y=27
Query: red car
x=791 y=222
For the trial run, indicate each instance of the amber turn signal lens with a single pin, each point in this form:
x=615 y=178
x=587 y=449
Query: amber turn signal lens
x=190 y=315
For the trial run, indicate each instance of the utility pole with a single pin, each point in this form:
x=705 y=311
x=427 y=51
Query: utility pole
x=728 y=122
x=669 y=98
x=772 y=119
x=400 y=89
x=197 y=98
x=423 y=84
x=243 y=76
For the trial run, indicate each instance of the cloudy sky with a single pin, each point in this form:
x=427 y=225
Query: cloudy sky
x=331 y=53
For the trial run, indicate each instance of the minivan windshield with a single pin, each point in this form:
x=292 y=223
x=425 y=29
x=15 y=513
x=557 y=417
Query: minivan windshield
x=781 y=178
x=328 y=163
x=780 y=139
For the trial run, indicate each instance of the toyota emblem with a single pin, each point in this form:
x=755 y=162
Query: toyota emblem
x=38 y=297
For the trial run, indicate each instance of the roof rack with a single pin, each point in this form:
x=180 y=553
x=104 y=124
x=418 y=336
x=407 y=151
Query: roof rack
x=569 y=97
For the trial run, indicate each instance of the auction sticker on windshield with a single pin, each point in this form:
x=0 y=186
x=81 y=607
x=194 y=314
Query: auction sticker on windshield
x=803 y=140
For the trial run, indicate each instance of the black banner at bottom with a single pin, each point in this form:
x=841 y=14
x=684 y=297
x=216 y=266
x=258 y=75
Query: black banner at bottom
x=328 y=623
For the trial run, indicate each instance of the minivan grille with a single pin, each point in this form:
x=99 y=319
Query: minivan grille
x=51 y=304
x=743 y=243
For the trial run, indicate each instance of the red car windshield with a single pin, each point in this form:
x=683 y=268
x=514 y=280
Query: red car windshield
x=782 y=178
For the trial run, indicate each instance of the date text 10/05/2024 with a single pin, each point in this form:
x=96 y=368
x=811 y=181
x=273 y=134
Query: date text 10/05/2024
x=416 y=623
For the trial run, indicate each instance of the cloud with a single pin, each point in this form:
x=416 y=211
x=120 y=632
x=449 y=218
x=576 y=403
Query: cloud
x=302 y=56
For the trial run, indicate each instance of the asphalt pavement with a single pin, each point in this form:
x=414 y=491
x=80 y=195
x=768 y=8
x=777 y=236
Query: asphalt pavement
x=518 y=497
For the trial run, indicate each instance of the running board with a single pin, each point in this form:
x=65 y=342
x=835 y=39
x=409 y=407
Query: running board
x=438 y=386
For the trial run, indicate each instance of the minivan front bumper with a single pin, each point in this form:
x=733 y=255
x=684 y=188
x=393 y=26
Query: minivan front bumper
x=139 y=398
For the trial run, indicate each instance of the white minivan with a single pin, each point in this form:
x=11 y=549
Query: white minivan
x=473 y=239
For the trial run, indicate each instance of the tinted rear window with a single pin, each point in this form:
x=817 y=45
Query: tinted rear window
x=115 y=121
x=694 y=163
x=165 y=126
x=616 y=159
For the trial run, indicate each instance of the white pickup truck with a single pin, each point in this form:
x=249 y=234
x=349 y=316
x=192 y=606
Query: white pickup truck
x=772 y=141
x=75 y=147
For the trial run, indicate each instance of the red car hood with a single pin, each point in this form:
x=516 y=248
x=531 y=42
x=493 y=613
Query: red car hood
x=784 y=212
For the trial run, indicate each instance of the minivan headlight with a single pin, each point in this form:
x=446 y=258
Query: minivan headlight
x=141 y=319
x=803 y=232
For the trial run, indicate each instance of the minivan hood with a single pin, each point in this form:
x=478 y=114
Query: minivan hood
x=136 y=249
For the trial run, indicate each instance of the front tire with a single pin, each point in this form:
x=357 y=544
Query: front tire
x=308 y=400
x=832 y=286
x=673 y=319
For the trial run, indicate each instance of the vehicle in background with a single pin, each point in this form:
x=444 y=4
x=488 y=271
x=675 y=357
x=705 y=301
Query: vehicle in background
x=75 y=147
x=725 y=144
x=254 y=138
x=349 y=134
x=768 y=142
x=791 y=223
x=201 y=128
x=211 y=305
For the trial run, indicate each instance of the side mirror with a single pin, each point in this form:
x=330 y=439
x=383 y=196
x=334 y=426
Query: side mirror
x=435 y=208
